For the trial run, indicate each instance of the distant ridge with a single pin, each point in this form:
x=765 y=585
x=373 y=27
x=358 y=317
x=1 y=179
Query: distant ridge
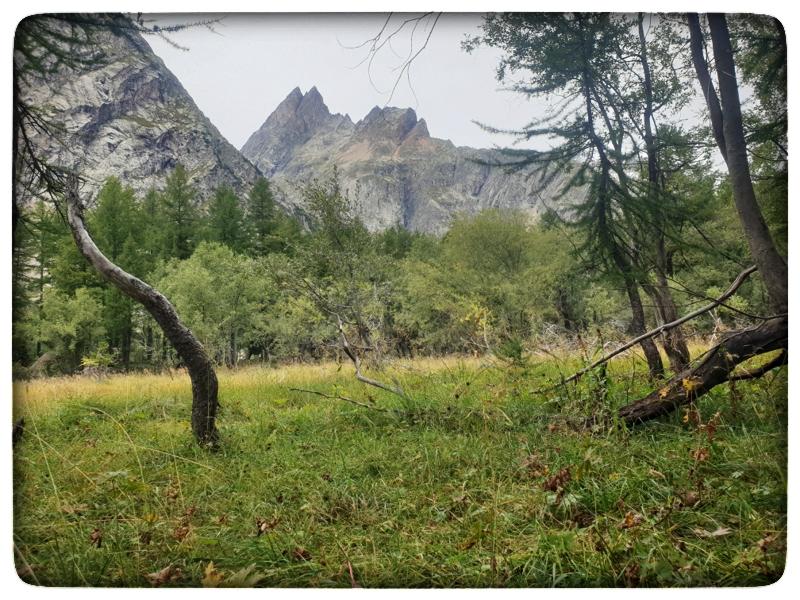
x=396 y=173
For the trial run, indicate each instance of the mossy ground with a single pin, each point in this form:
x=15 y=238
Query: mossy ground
x=463 y=485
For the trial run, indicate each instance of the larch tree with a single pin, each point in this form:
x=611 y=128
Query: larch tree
x=574 y=58
x=226 y=220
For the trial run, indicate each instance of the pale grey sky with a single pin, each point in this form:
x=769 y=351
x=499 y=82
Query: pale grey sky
x=238 y=75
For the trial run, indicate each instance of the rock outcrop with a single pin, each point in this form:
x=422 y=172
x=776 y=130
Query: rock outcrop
x=127 y=115
x=390 y=166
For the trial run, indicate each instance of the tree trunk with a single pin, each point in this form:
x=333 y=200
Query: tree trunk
x=673 y=341
x=770 y=263
x=717 y=367
x=654 y=364
x=719 y=362
x=234 y=351
x=148 y=345
x=697 y=47
x=201 y=370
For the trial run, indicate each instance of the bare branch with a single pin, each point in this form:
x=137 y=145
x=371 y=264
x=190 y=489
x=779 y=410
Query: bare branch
x=665 y=327
x=778 y=361
x=348 y=349
x=338 y=397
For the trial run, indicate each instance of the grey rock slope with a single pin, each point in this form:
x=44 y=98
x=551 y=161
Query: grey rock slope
x=130 y=117
x=390 y=166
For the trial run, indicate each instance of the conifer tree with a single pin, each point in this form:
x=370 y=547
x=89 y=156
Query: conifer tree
x=226 y=223
x=180 y=214
x=261 y=215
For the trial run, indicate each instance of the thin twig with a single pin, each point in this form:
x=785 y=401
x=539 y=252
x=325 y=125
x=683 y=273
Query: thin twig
x=348 y=349
x=338 y=397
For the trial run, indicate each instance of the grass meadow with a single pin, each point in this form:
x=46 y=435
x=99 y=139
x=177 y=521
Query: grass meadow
x=476 y=479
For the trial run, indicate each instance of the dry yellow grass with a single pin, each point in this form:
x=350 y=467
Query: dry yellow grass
x=43 y=396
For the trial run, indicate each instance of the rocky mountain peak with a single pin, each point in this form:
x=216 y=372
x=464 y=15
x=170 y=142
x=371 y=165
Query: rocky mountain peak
x=312 y=111
x=389 y=124
x=388 y=163
x=296 y=119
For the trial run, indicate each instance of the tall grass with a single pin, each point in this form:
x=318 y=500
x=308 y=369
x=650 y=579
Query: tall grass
x=475 y=480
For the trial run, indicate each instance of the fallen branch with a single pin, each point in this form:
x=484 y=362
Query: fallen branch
x=661 y=329
x=780 y=360
x=348 y=349
x=716 y=368
x=337 y=397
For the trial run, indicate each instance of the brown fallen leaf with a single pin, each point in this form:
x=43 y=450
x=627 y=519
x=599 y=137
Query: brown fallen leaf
x=181 y=532
x=534 y=466
x=701 y=454
x=689 y=499
x=166 y=575
x=211 y=577
x=692 y=416
x=711 y=427
x=466 y=545
x=264 y=526
x=557 y=481
x=718 y=532
x=631 y=575
x=583 y=519
x=299 y=554
x=96 y=538
x=171 y=492
x=631 y=519
x=765 y=542
x=243 y=578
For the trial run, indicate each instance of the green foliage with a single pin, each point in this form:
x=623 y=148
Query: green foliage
x=494 y=279
x=218 y=294
x=69 y=326
x=270 y=229
x=114 y=218
x=226 y=220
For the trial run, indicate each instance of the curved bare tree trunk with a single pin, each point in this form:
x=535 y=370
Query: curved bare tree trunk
x=200 y=367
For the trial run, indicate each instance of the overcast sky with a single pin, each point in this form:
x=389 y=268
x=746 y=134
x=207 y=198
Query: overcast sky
x=238 y=74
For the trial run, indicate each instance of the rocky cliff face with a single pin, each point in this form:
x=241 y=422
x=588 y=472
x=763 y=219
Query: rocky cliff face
x=130 y=117
x=390 y=166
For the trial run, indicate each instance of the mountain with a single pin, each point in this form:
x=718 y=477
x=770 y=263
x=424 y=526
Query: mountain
x=390 y=166
x=127 y=115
